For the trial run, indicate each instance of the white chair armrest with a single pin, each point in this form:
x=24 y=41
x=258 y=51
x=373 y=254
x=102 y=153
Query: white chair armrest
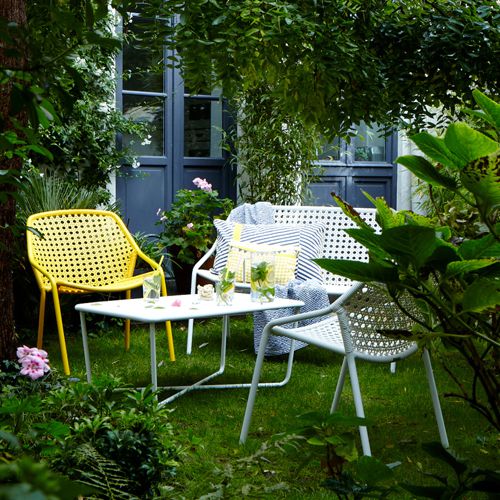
x=332 y=308
x=198 y=265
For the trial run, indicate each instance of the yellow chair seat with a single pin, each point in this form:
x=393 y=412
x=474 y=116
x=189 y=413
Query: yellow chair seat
x=85 y=251
x=119 y=286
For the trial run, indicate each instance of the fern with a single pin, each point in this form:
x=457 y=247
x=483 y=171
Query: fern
x=103 y=474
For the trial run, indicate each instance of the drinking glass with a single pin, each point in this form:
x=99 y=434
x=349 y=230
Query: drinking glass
x=262 y=276
x=151 y=288
x=224 y=288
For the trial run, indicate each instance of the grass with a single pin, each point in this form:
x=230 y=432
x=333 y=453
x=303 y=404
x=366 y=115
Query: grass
x=208 y=422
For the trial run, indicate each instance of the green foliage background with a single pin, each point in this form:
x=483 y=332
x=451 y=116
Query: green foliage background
x=83 y=140
x=337 y=62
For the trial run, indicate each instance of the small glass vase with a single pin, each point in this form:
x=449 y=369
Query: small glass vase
x=224 y=288
x=262 y=277
x=151 y=288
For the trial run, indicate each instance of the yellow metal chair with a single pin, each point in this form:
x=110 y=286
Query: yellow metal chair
x=85 y=251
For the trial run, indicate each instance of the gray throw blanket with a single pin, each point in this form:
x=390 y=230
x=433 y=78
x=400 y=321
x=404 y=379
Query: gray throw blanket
x=314 y=297
x=260 y=213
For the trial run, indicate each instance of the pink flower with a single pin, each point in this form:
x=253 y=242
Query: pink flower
x=34 y=362
x=202 y=184
x=176 y=303
x=190 y=225
x=34 y=367
x=23 y=351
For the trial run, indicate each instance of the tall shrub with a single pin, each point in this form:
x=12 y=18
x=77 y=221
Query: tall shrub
x=275 y=151
x=82 y=143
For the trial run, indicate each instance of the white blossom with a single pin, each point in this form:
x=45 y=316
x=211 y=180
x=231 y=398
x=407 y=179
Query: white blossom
x=104 y=107
x=146 y=141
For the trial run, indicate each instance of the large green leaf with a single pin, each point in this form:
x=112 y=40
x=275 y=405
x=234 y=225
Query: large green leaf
x=409 y=244
x=477 y=113
x=468 y=144
x=490 y=107
x=461 y=267
x=386 y=216
x=484 y=247
x=482 y=178
x=351 y=212
x=360 y=271
x=441 y=257
x=482 y=295
x=434 y=148
x=369 y=240
x=426 y=171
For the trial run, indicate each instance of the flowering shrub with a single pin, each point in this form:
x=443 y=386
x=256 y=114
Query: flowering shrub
x=188 y=229
x=34 y=362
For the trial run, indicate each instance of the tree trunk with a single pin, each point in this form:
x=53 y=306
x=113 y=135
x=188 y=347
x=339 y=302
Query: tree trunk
x=13 y=11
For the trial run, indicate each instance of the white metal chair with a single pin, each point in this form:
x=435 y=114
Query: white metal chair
x=337 y=244
x=350 y=327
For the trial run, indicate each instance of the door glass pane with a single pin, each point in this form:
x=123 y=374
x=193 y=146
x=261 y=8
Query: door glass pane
x=369 y=143
x=330 y=151
x=142 y=68
x=202 y=128
x=148 y=110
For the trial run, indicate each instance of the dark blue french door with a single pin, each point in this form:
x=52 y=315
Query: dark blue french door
x=364 y=164
x=184 y=139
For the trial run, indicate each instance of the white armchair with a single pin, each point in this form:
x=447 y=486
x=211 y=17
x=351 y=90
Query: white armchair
x=350 y=326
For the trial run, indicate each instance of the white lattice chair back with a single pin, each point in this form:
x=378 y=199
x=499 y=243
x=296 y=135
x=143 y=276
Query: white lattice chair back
x=337 y=243
x=369 y=311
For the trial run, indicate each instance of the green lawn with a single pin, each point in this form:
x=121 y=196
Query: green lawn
x=208 y=423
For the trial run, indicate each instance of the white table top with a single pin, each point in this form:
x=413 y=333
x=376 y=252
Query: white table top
x=181 y=307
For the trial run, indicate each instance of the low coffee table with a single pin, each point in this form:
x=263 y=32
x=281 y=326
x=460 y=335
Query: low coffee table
x=179 y=308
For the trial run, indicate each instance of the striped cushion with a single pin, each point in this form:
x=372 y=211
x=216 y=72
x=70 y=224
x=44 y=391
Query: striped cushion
x=308 y=237
x=284 y=258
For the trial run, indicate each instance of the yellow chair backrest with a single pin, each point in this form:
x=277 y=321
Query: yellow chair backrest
x=89 y=247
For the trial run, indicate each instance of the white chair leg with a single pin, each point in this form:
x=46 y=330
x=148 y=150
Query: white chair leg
x=435 y=399
x=393 y=367
x=255 y=383
x=358 y=403
x=190 y=329
x=340 y=386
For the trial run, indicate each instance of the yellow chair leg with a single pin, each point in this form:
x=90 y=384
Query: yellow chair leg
x=60 y=332
x=168 y=325
x=170 y=340
x=41 y=319
x=128 y=294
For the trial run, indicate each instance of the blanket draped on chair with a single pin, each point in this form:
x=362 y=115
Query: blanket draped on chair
x=310 y=292
x=260 y=213
x=314 y=297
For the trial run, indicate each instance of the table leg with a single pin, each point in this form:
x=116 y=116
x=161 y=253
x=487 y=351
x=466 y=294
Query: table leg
x=86 y=353
x=152 y=346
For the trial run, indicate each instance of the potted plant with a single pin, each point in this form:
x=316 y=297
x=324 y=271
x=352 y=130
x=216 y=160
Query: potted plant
x=188 y=230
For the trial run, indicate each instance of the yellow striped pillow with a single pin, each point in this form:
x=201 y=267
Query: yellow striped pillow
x=285 y=260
